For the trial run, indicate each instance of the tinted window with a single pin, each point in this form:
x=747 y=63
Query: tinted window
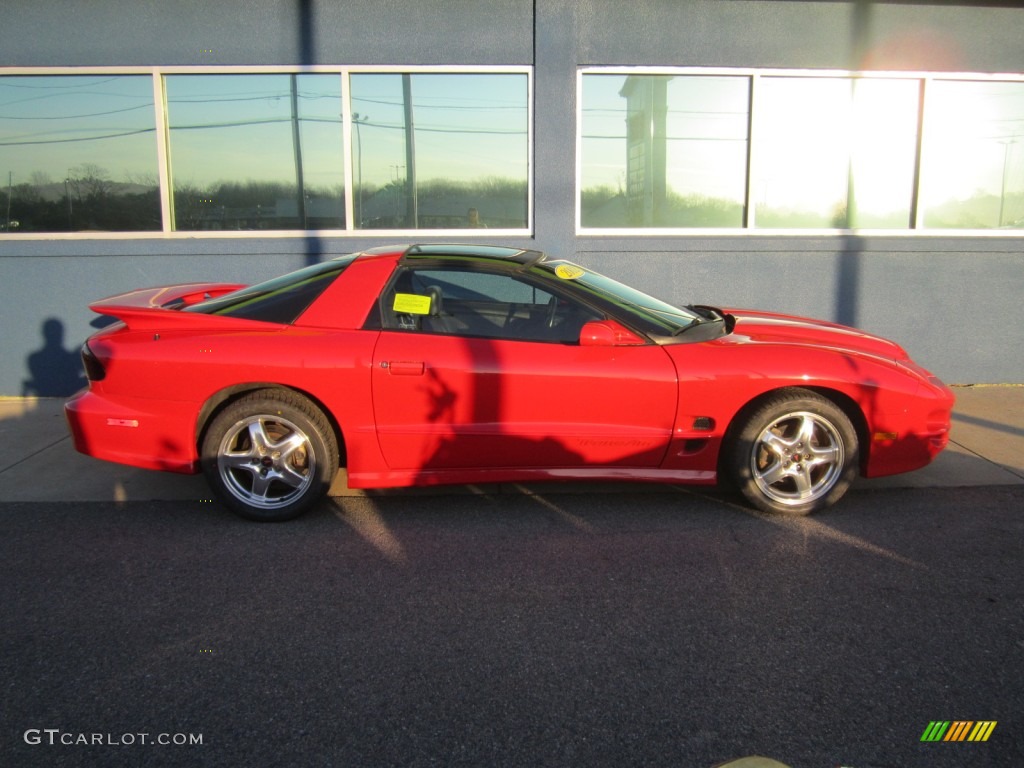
x=973 y=174
x=483 y=305
x=78 y=153
x=835 y=153
x=256 y=151
x=440 y=151
x=280 y=300
x=770 y=150
x=664 y=151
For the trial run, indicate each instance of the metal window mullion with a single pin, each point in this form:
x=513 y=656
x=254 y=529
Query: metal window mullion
x=916 y=208
x=346 y=134
x=163 y=153
x=580 y=76
x=531 y=149
x=750 y=216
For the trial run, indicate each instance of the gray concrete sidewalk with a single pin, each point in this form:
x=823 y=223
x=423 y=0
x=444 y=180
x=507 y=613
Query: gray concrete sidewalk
x=38 y=462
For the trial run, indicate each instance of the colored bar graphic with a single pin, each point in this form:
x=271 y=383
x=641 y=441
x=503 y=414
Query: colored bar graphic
x=935 y=731
x=982 y=730
x=958 y=730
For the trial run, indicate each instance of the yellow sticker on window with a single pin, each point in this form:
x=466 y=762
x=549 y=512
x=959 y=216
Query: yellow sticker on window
x=412 y=304
x=568 y=271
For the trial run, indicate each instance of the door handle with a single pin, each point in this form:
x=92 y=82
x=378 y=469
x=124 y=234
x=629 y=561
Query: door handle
x=404 y=368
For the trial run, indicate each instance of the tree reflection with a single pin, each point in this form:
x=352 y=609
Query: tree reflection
x=442 y=204
x=86 y=200
x=256 y=205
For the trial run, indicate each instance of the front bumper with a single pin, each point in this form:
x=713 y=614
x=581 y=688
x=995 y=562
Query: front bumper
x=911 y=438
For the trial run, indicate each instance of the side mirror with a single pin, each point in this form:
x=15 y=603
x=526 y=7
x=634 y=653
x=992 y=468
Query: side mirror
x=608 y=333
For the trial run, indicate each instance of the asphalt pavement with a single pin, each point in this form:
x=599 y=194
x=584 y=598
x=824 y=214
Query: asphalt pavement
x=501 y=631
x=39 y=463
x=556 y=625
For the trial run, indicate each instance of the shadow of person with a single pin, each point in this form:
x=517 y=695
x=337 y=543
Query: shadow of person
x=53 y=370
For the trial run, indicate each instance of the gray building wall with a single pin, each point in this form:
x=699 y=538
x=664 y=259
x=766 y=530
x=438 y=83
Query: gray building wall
x=953 y=301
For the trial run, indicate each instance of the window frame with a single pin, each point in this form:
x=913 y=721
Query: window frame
x=162 y=139
x=749 y=226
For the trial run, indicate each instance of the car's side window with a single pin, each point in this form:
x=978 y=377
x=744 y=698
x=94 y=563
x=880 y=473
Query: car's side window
x=473 y=303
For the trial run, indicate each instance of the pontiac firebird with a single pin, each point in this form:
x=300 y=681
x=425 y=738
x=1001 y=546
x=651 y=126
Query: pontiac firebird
x=438 y=364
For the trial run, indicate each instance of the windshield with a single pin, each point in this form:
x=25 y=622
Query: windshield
x=280 y=300
x=651 y=315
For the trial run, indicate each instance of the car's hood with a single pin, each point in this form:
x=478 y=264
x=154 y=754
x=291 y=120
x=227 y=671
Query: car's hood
x=770 y=328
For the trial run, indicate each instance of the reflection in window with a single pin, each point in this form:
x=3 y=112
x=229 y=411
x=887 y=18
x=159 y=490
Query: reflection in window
x=440 y=151
x=973 y=172
x=256 y=151
x=835 y=153
x=664 y=151
x=78 y=154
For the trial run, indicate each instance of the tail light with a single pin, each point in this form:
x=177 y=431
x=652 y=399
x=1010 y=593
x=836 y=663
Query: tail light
x=93 y=367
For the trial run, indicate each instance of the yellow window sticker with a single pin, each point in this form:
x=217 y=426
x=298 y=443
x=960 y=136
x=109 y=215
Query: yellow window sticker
x=412 y=304
x=568 y=271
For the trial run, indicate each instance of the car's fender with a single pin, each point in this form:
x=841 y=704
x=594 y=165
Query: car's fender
x=897 y=408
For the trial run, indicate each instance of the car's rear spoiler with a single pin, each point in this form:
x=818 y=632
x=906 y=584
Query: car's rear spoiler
x=155 y=306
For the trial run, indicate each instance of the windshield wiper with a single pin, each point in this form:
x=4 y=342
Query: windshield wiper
x=705 y=314
x=693 y=324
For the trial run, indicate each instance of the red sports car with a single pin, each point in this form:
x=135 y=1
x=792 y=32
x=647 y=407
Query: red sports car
x=460 y=364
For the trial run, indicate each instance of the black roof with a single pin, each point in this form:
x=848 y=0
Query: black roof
x=473 y=253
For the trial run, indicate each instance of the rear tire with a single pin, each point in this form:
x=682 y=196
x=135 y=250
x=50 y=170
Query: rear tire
x=796 y=454
x=270 y=455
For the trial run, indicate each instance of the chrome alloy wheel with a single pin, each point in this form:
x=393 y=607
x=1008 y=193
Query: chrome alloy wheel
x=797 y=458
x=266 y=462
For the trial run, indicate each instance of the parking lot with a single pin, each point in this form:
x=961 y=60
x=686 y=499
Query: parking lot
x=671 y=629
x=508 y=625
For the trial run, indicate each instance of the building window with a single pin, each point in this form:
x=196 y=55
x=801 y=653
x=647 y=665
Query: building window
x=440 y=151
x=664 y=151
x=256 y=151
x=835 y=153
x=346 y=149
x=973 y=168
x=78 y=154
x=668 y=151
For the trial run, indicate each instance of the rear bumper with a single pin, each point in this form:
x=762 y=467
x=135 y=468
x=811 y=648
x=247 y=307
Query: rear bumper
x=143 y=433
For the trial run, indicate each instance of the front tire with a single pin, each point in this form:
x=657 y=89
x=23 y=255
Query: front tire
x=270 y=455
x=797 y=453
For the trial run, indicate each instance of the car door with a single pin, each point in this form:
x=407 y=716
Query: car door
x=483 y=369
